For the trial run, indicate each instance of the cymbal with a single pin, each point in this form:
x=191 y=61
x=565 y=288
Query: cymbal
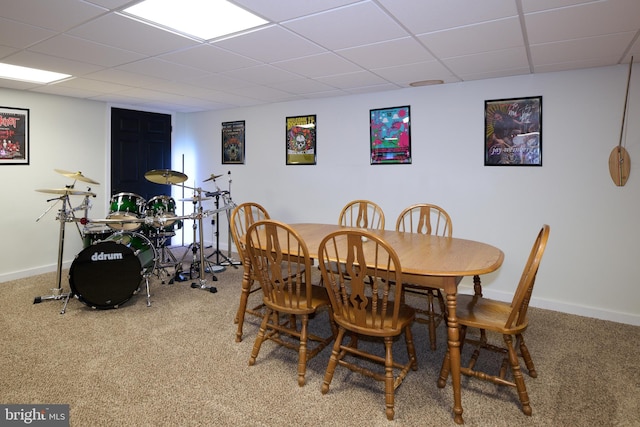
x=165 y=176
x=67 y=191
x=194 y=199
x=212 y=178
x=76 y=175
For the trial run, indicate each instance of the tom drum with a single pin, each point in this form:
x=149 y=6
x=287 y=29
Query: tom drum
x=125 y=207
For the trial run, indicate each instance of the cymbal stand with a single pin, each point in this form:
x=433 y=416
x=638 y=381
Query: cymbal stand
x=228 y=205
x=196 y=247
x=231 y=204
x=65 y=214
x=217 y=252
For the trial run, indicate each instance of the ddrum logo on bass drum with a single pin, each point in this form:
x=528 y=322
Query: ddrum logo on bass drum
x=106 y=257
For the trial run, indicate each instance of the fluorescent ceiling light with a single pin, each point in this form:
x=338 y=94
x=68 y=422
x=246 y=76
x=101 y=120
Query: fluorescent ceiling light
x=25 y=74
x=203 y=19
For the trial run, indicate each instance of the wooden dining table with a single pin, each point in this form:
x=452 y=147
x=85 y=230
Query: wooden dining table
x=432 y=261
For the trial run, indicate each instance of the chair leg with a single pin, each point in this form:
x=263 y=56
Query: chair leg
x=517 y=375
x=302 y=351
x=411 y=349
x=244 y=298
x=389 y=389
x=432 y=320
x=333 y=361
x=260 y=338
x=526 y=356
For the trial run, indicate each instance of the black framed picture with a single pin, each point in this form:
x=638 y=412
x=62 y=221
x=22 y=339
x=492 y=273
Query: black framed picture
x=301 y=134
x=513 y=132
x=390 y=135
x=233 y=142
x=14 y=136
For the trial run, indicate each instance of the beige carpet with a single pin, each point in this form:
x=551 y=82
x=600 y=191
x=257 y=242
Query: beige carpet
x=177 y=363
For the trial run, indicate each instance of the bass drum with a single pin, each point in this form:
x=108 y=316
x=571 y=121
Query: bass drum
x=108 y=273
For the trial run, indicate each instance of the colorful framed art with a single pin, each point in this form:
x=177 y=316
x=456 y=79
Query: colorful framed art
x=233 y=142
x=301 y=140
x=390 y=135
x=513 y=132
x=14 y=136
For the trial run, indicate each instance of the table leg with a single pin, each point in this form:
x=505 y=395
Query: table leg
x=453 y=334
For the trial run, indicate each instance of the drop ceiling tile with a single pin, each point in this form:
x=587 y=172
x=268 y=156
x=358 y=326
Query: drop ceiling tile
x=18 y=35
x=281 y=10
x=401 y=51
x=270 y=45
x=529 y=6
x=325 y=64
x=587 y=20
x=264 y=93
x=303 y=87
x=262 y=74
x=58 y=15
x=424 y=16
x=405 y=74
x=51 y=63
x=354 y=25
x=82 y=50
x=163 y=69
x=353 y=80
x=584 y=49
x=488 y=36
x=488 y=62
x=210 y=58
x=128 y=34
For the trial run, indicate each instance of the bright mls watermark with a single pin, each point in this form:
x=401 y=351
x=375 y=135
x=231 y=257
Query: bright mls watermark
x=34 y=415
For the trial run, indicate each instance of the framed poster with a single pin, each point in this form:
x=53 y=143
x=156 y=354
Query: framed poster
x=233 y=142
x=513 y=132
x=390 y=135
x=14 y=136
x=301 y=140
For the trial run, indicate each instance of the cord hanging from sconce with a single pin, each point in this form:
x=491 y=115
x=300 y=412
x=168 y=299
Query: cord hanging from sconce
x=619 y=160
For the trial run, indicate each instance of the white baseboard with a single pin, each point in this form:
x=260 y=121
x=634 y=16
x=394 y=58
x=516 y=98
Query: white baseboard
x=563 y=307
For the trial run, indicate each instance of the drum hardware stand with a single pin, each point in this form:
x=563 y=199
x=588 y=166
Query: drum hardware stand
x=165 y=257
x=198 y=264
x=217 y=252
x=65 y=214
x=228 y=205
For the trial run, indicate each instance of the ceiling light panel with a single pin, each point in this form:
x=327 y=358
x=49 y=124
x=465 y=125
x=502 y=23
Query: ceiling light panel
x=202 y=19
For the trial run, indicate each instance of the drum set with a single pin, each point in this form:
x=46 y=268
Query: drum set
x=130 y=244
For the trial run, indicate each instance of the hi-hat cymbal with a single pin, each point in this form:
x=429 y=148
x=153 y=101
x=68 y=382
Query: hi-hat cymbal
x=76 y=175
x=212 y=178
x=194 y=199
x=66 y=191
x=165 y=176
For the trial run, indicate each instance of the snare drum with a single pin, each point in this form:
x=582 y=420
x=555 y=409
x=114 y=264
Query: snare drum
x=125 y=206
x=163 y=211
x=92 y=235
x=108 y=273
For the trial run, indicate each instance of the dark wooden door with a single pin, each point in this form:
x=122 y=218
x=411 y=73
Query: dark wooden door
x=140 y=142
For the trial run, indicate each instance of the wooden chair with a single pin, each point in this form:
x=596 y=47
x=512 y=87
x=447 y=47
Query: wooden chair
x=366 y=307
x=430 y=219
x=506 y=319
x=281 y=262
x=362 y=214
x=242 y=217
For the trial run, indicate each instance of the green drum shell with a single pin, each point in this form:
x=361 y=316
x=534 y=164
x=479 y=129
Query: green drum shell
x=163 y=207
x=125 y=206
